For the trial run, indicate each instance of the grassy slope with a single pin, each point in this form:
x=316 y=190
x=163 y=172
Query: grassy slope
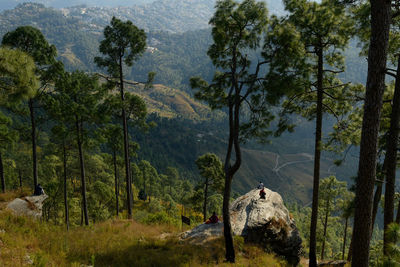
x=111 y=243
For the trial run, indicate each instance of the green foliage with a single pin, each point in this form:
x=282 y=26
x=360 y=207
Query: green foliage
x=123 y=43
x=17 y=76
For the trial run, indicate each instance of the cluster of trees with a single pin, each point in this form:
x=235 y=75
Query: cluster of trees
x=300 y=57
x=87 y=130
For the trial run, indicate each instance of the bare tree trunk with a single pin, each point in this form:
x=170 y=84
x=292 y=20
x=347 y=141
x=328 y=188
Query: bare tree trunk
x=391 y=159
x=398 y=213
x=325 y=228
x=65 y=187
x=3 y=180
x=377 y=199
x=380 y=24
x=205 y=201
x=126 y=144
x=345 y=237
x=33 y=137
x=82 y=167
x=116 y=182
x=317 y=159
x=20 y=177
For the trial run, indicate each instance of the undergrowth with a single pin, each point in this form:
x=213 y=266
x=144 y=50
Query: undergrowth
x=26 y=242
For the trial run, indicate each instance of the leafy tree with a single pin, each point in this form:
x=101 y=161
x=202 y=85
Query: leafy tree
x=330 y=190
x=17 y=76
x=211 y=169
x=31 y=41
x=325 y=30
x=78 y=98
x=237 y=29
x=123 y=44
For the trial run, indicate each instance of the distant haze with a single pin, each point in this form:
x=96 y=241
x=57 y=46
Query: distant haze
x=275 y=6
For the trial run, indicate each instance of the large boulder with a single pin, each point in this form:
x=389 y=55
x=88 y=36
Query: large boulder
x=30 y=206
x=263 y=221
x=266 y=222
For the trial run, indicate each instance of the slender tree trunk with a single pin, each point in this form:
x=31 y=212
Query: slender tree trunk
x=33 y=137
x=325 y=227
x=377 y=199
x=116 y=183
x=398 y=213
x=20 y=177
x=317 y=159
x=345 y=237
x=391 y=160
x=350 y=253
x=380 y=24
x=126 y=143
x=3 y=180
x=65 y=187
x=82 y=167
x=205 y=201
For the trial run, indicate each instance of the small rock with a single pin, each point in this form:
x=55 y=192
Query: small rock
x=28 y=259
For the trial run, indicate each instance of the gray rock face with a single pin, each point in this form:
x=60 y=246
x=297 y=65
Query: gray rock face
x=266 y=222
x=263 y=221
x=29 y=206
x=203 y=233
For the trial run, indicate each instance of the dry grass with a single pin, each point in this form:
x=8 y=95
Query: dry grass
x=113 y=243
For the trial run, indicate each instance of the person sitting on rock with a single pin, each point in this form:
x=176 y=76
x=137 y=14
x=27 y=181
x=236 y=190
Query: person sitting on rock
x=38 y=190
x=212 y=219
x=262 y=194
x=260 y=185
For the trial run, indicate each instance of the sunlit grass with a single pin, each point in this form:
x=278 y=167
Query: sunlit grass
x=115 y=242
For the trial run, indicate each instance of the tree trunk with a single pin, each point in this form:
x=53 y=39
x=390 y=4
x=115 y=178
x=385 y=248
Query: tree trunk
x=377 y=199
x=229 y=249
x=380 y=23
x=3 y=181
x=345 y=237
x=65 y=187
x=33 y=137
x=317 y=158
x=325 y=227
x=20 y=177
x=82 y=167
x=116 y=183
x=205 y=201
x=391 y=159
x=398 y=213
x=126 y=143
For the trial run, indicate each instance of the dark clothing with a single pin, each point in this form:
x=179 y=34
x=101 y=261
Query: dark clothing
x=262 y=194
x=38 y=190
x=212 y=219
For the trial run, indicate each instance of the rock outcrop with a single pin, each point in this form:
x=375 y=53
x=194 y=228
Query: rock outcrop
x=263 y=221
x=266 y=222
x=29 y=206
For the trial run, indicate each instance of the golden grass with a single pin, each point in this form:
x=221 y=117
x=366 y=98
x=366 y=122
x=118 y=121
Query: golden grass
x=113 y=243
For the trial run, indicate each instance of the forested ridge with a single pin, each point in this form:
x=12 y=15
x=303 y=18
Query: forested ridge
x=148 y=120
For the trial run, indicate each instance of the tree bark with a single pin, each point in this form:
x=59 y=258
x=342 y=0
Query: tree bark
x=391 y=159
x=33 y=137
x=126 y=143
x=20 y=177
x=65 y=187
x=116 y=183
x=325 y=227
x=345 y=237
x=205 y=201
x=3 y=181
x=377 y=199
x=380 y=24
x=82 y=167
x=317 y=159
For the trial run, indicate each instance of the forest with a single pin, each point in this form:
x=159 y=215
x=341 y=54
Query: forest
x=133 y=133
